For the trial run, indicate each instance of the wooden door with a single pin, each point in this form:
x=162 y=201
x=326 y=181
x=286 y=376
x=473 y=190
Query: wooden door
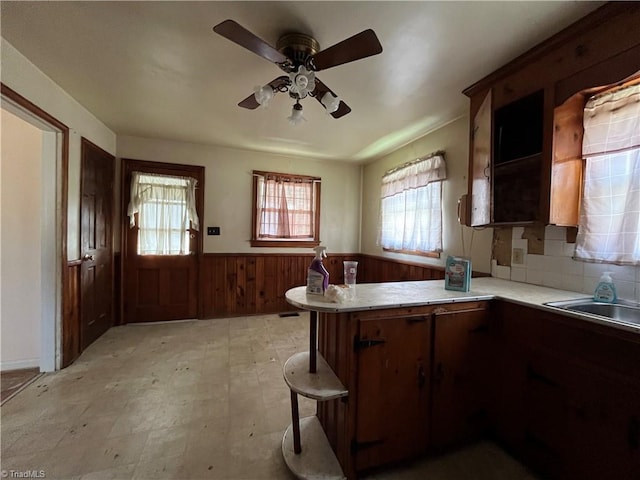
x=393 y=390
x=96 y=216
x=480 y=199
x=460 y=376
x=159 y=287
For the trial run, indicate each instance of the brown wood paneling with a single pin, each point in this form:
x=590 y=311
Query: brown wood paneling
x=71 y=314
x=610 y=29
x=245 y=283
x=373 y=269
x=117 y=289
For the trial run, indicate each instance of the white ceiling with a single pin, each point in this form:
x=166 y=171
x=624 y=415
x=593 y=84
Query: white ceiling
x=156 y=69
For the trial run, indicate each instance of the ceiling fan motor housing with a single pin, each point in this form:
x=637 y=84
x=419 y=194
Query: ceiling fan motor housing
x=298 y=47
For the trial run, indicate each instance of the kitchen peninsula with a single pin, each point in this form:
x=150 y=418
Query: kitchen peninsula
x=416 y=369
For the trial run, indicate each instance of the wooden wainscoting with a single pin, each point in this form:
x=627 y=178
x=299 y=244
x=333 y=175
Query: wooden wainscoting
x=71 y=314
x=373 y=269
x=234 y=284
x=244 y=284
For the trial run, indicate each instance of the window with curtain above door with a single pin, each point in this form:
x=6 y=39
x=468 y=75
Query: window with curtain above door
x=163 y=207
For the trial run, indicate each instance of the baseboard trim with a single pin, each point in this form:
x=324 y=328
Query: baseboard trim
x=19 y=364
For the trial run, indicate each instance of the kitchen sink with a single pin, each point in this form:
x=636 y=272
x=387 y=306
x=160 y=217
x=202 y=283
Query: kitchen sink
x=621 y=311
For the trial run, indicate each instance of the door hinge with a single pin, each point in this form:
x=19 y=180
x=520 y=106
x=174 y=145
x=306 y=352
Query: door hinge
x=361 y=344
x=357 y=446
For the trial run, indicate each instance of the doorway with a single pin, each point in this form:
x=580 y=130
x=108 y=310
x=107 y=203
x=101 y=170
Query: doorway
x=33 y=241
x=162 y=242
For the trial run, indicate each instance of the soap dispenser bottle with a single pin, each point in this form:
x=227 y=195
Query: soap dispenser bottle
x=606 y=290
x=317 y=275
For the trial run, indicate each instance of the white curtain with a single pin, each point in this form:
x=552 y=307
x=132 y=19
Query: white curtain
x=609 y=229
x=411 y=206
x=165 y=205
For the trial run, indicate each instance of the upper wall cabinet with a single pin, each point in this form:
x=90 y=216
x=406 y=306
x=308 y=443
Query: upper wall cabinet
x=525 y=163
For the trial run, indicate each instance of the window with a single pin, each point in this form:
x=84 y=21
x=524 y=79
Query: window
x=165 y=206
x=286 y=210
x=411 y=207
x=609 y=230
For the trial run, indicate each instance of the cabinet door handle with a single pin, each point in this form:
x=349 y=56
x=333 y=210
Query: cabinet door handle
x=416 y=319
x=422 y=377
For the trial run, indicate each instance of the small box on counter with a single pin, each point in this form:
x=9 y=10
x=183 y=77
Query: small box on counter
x=457 y=274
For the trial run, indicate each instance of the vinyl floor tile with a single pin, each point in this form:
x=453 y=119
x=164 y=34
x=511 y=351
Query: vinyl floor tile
x=187 y=400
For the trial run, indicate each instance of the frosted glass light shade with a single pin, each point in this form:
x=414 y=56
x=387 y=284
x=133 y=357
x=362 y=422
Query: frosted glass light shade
x=296 y=117
x=330 y=102
x=263 y=95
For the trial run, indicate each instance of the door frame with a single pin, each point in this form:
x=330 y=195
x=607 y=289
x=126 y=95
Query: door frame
x=54 y=254
x=129 y=165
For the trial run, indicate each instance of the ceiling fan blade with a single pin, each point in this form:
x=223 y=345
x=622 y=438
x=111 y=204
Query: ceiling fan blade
x=251 y=103
x=361 y=45
x=319 y=92
x=243 y=37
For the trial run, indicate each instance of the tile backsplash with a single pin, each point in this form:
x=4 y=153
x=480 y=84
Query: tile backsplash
x=557 y=269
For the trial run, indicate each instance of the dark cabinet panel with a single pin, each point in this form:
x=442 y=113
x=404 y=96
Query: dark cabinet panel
x=567 y=400
x=460 y=377
x=392 y=355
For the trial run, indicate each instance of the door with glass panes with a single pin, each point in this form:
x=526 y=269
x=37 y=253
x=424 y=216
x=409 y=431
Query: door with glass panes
x=162 y=241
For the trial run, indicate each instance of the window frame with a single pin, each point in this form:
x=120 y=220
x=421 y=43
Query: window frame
x=420 y=253
x=285 y=242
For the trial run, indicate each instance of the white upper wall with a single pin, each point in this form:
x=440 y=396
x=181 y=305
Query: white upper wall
x=19 y=74
x=228 y=191
x=453 y=138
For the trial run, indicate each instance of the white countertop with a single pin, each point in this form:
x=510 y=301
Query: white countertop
x=376 y=296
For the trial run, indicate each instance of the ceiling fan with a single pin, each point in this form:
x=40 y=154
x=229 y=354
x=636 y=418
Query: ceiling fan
x=299 y=56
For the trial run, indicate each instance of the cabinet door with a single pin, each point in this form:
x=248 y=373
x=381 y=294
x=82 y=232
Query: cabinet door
x=604 y=426
x=480 y=198
x=393 y=390
x=567 y=163
x=460 y=374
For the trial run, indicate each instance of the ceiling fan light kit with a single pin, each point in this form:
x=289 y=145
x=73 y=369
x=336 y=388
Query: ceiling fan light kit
x=299 y=56
x=296 y=117
x=263 y=95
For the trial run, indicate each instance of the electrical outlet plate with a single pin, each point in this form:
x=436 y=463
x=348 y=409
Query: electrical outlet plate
x=517 y=256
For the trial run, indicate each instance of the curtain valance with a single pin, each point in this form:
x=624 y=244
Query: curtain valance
x=153 y=187
x=418 y=173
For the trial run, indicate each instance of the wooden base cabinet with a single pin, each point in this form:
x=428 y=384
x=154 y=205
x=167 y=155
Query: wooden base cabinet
x=386 y=359
x=460 y=377
x=392 y=354
x=561 y=394
x=567 y=399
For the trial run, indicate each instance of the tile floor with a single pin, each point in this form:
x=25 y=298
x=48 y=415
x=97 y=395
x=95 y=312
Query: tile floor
x=13 y=381
x=185 y=400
